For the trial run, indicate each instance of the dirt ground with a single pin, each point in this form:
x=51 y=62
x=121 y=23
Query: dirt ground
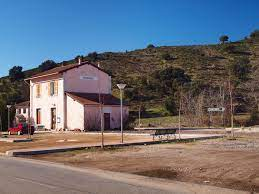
x=220 y=162
x=60 y=139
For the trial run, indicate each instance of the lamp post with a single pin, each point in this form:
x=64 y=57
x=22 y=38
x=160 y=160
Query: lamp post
x=121 y=87
x=8 y=108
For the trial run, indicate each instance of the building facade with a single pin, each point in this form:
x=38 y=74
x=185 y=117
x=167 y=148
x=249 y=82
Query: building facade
x=69 y=97
x=22 y=109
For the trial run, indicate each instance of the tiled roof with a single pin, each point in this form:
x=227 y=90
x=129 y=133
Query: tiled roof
x=62 y=69
x=93 y=98
x=23 y=104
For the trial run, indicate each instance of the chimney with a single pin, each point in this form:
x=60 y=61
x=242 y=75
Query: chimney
x=79 y=60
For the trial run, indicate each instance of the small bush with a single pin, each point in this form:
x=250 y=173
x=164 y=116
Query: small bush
x=170 y=105
x=254 y=119
x=150 y=46
x=166 y=56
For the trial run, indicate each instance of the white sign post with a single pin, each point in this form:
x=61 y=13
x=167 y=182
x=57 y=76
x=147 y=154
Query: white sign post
x=219 y=109
x=216 y=109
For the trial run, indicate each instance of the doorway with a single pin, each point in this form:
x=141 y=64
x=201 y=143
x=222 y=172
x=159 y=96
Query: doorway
x=107 y=121
x=53 y=118
x=38 y=116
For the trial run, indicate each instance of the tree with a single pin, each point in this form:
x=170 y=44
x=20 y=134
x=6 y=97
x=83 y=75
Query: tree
x=240 y=69
x=92 y=56
x=16 y=73
x=169 y=79
x=78 y=57
x=170 y=105
x=47 y=65
x=150 y=46
x=223 y=39
x=255 y=34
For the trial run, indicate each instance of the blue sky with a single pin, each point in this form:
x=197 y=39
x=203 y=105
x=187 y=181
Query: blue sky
x=32 y=31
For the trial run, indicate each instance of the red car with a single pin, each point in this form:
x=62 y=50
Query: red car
x=20 y=129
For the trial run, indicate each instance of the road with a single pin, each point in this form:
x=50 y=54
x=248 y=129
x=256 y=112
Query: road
x=24 y=176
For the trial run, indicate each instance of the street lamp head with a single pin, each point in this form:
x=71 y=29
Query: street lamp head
x=8 y=106
x=121 y=86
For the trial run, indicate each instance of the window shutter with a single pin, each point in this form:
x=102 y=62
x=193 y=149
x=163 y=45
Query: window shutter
x=49 y=88
x=39 y=89
x=56 y=87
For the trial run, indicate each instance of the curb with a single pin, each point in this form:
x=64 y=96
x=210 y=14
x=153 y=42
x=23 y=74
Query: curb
x=27 y=152
x=14 y=140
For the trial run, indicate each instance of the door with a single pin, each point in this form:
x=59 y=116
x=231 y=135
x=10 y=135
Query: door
x=107 y=120
x=53 y=118
x=38 y=116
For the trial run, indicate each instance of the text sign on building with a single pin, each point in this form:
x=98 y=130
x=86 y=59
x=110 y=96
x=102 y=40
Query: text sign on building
x=88 y=77
x=220 y=109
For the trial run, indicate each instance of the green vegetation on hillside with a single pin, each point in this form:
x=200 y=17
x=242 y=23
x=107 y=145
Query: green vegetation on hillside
x=203 y=74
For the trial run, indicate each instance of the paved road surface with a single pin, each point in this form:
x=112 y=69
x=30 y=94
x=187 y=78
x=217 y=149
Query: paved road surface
x=22 y=176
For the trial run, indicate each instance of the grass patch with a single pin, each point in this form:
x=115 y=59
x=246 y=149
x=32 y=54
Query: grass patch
x=159 y=121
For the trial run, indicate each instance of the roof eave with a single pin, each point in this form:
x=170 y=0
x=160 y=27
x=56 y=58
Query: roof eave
x=30 y=78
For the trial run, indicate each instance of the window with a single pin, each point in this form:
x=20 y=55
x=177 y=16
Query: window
x=53 y=88
x=38 y=116
x=38 y=90
x=19 y=111
x=24 y=111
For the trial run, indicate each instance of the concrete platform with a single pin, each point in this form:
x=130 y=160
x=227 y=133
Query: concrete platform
x=47 y=150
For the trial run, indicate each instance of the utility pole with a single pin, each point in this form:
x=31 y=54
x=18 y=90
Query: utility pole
x=222 y=98
x=29 y=113
x=179 y=113
x=100 y=107
x=29 y=121
x=8 y=108
x=223 y=105
x=231 y=105
x=139 y=114
x=1 y=126
x=121 y=87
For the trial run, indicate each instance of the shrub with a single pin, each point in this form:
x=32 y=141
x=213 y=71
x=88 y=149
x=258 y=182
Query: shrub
x=170 y=105
x=166 y=56
x=16 y=73
x=230 y=48
x=92 y=56
x=47 y=65
x=223 y=39
x=254 y=119
x=150 y=46
x=255 y=34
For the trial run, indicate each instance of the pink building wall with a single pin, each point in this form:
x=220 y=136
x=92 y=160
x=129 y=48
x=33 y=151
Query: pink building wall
x=92 y=114
x=86 y=79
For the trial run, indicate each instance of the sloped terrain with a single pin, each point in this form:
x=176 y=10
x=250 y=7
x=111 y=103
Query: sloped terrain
x=207 y=65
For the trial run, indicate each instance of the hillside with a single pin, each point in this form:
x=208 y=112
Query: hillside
x=205 y=64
